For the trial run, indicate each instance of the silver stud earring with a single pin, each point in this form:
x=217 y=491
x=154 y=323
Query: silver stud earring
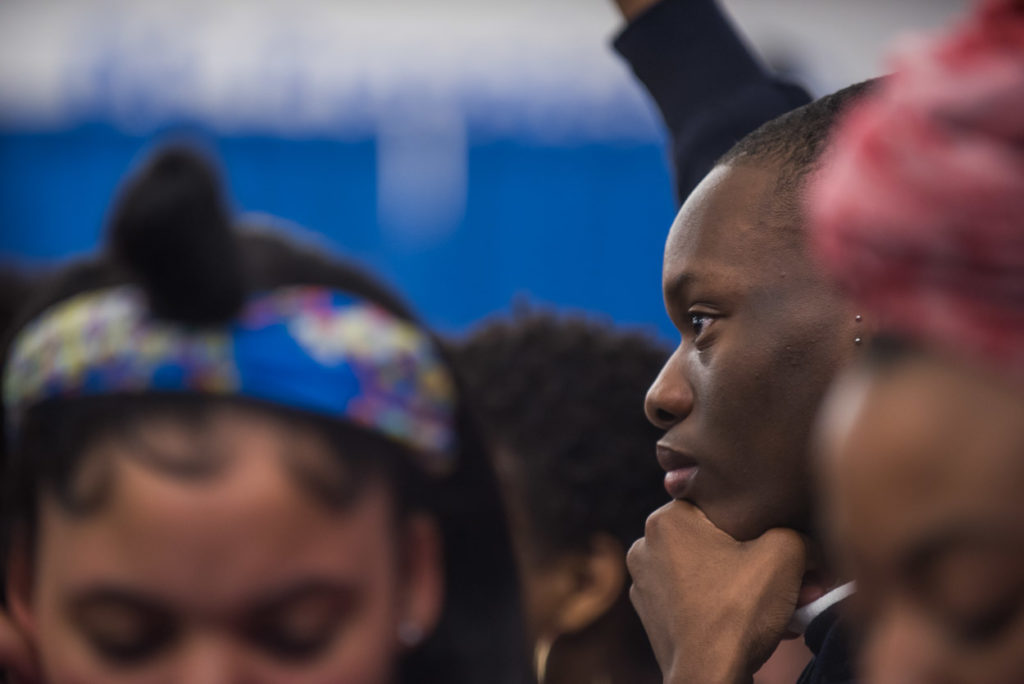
x=410 y=634
x=858 y=318
x=857 y=340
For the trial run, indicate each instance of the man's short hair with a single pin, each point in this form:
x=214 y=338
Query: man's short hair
x=796 y=140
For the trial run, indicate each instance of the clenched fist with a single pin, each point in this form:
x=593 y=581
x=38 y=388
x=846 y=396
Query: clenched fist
x=714 y=608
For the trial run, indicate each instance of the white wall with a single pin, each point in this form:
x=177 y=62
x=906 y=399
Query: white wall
x=353 y=67
x=838 y=42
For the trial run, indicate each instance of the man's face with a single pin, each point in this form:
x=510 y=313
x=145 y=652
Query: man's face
x=761 y=336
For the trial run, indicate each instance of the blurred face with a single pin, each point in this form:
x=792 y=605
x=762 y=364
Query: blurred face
x=924 y=467
x=541 y=581
x=231 y=571
x=564 y=590
x=761 y=336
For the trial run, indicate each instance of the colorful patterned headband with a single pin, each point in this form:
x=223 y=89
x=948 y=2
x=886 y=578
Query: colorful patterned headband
x=303 y=347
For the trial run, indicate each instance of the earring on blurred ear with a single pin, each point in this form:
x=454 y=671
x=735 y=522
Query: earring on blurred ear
x=410 y=634
x=858 y=340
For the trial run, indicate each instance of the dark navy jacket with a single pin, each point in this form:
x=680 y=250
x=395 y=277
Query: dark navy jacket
x=833 y=661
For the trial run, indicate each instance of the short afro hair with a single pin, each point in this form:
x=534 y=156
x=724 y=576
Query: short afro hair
x=796 y=140
x=560 y=399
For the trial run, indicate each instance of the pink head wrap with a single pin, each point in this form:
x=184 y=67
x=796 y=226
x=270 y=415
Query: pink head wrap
x=918 y=208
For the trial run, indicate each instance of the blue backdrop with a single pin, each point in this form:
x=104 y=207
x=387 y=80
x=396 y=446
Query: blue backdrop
x=580 y=227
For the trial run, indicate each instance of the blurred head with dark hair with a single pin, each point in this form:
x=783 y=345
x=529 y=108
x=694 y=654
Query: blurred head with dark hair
x=560 y=399
x=277 y=517
x=919 y=216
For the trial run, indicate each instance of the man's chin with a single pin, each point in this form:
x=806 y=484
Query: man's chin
x=744 y=523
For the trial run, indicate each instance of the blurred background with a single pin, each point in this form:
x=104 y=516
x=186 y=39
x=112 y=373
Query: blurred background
x=471 y=151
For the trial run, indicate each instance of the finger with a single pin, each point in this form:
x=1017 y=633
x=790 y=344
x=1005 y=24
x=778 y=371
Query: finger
x=789 y=543
x=686 y=515
x=635 y=598
x=697 y=514
x=672 y=515
x=635 y=556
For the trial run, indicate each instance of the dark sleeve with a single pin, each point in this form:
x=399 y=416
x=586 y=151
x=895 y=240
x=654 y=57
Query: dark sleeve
x=831 y=643
x=709 y=87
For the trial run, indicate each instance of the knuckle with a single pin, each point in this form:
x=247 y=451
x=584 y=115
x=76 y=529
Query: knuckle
x=654 y=522
x=783 y=543
x=634 y=596
x=784 y=538
x=634 y=554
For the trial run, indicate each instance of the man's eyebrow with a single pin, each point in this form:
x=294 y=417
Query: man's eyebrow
x=675 y=288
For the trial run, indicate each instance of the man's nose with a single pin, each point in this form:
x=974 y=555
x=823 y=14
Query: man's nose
x=670 y=398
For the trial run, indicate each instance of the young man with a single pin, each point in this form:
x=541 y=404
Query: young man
x=721 y=571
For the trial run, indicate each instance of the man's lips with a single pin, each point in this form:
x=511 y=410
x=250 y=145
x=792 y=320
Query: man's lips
x=679 y=468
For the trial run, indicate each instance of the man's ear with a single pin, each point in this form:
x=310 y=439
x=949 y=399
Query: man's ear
x=424 y=580
x=17 y=623
x=598 y=579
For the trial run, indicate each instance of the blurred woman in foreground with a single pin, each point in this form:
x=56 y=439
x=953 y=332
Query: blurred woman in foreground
x=920 y=215
x=235 y=460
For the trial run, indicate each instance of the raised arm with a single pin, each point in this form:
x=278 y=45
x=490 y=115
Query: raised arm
x=711 y=90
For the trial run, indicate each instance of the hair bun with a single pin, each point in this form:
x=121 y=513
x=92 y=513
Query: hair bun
x=172 y=229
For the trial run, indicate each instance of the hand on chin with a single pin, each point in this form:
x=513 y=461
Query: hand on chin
x=714 y=608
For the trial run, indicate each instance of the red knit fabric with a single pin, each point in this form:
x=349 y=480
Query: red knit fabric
x=918 y=208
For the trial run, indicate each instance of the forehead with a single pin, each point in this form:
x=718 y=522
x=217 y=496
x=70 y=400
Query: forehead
x=735 y=224
x=215 y=539
x=932 y=445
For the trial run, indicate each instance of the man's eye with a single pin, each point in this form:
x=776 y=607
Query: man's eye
x=699 y=322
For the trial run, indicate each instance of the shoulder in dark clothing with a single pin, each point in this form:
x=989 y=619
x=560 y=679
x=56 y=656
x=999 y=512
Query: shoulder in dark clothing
x=830 y=641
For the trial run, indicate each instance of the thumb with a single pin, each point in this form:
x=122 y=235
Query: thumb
x=785 y=554
x=791 y=548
